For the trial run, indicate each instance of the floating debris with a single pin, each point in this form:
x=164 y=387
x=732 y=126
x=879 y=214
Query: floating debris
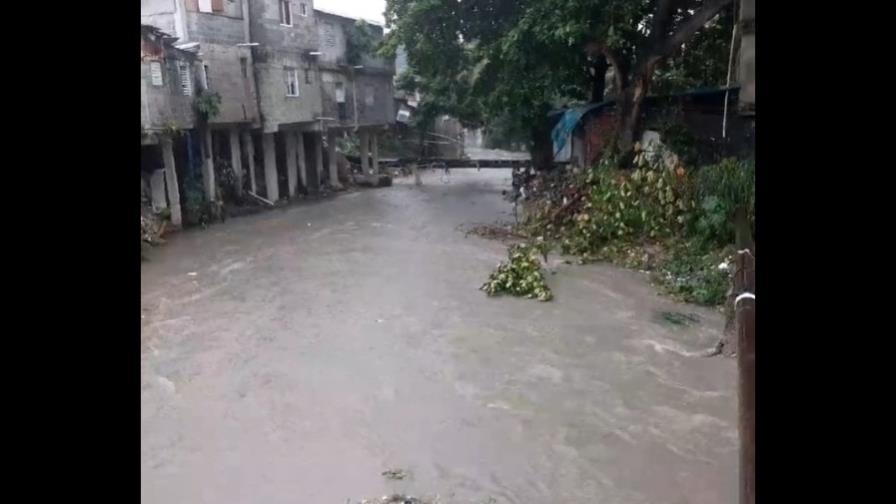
x=681 y=319
x=395 y=474
x=496 y=231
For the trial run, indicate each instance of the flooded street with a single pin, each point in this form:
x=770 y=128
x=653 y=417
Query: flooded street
x=293 y=356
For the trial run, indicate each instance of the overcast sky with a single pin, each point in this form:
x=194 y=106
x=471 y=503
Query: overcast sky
x=371 y=10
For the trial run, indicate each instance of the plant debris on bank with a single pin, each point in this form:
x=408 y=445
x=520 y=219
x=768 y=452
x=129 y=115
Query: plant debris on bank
x=677 y=223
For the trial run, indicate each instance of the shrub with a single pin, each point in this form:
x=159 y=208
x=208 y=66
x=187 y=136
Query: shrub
x=520 y=276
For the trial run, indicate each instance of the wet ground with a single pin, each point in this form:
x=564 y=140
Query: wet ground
x=293 y=356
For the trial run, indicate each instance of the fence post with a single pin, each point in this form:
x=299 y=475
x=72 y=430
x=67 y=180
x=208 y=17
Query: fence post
x=745 y=316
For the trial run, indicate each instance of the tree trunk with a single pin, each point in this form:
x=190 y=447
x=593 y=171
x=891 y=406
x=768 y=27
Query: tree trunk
x=542 y=150
x=629 y=111
x=599 y=79
x=743 y=236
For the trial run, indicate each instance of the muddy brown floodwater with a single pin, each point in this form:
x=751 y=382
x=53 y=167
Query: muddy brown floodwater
x=294 y=356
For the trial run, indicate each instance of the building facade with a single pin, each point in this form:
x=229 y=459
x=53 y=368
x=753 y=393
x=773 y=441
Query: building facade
x=356 y=86
x=264 y=82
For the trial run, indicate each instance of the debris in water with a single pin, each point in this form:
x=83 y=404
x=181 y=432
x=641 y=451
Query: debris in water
x=399 y=499
x=496 y=231
x=192 y=273
x=395 y=474
x=676 y=318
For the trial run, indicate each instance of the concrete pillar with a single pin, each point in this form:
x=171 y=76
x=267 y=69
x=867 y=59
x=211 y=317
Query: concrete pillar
x=416 y=173
x=319 y=156
x=300 y=151
x=249 y=146
x=171 y=181
x=291 y=175
x=236 y=159
x=375 y=147
x=331 y=160
x=365 y=142
x=270 y=166
x=157 y=188
x=208 y=168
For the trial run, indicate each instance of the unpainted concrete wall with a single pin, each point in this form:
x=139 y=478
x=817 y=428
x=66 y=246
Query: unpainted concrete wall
x=215 y=28
x=267 y=30
x=159 y=13
x=279 y=47
x=329 y=105
x=165 y=105
x=238 y=95
x=382 y=111
x=278 y=109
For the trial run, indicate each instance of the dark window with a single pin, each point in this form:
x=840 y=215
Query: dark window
x=285 y=13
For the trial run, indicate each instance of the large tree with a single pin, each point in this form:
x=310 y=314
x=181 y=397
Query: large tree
x=518 y=59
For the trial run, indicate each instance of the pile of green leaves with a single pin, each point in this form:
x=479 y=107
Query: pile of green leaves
x=520 y=276
x=660 y=217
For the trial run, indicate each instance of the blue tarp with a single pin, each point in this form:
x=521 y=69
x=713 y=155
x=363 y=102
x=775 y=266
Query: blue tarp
x=562 y=132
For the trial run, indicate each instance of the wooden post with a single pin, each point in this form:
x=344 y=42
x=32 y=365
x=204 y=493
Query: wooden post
x=745 y=310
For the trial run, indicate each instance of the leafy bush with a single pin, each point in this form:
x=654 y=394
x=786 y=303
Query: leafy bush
x=724 y=189
x=196 y=208
x=694 y=275
x=649 y=203
x=520 y=276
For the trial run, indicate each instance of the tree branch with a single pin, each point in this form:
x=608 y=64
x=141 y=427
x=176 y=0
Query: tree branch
x=620 y=74
x=662 y=17
x=689 y=27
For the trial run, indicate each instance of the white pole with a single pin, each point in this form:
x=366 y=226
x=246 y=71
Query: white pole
x=728 y=80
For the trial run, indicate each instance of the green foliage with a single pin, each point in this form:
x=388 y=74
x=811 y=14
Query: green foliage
x=360 y=41
x=520 y=276
x=722 y=189
x=650 y=219
x=207 y=104
x=692 y=274
x=196 y=209
x=676 y=136
x=703 y=62
x=488 y=61
x=651 y=203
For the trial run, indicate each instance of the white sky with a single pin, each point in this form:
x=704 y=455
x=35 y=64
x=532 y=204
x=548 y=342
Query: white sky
x=371 y=10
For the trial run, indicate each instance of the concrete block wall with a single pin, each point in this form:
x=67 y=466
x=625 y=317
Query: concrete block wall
x=281 y=47
x=278 y=109
x=215 y=28
x=268 y=32
x=165 y=105
x=238 y=95
x=382 y=111
x=158 y=13
x=376 y=76
x=329 y=106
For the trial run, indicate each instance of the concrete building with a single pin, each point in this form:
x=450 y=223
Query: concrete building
x=287 y=78
x=264 y=60
x=166 y=111
x=356 y=86
x=217 y=31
